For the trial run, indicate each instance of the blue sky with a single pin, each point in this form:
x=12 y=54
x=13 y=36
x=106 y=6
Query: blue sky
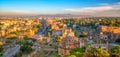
x=34 y=7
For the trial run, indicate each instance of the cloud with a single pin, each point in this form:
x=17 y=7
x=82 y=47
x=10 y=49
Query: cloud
x=91 y=9
x=118 y=3
x=101 y=8
x=104 y=9
x=104 y=4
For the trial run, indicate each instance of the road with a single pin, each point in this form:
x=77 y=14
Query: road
x=41 y=29
x=12 y=51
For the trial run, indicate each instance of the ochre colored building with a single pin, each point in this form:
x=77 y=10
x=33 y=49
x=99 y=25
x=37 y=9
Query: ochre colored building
x=67 y=44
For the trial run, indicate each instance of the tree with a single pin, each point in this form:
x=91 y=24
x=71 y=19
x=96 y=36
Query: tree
x=78 y=52
x=26 y=41
x=117 y=41
x=1 y=51
x=9 y=41
x=48 y=34
x=58 y=38
x=1 y=43
x=26 y=49
x=85 y=46
x=19 y=54
x=21 y=42
x=116 y=51
x=1 y=48
x=1 y=54
x=97 y=52
x=26 y=37
x=56 y=54
x=36 y=27
x=69 y=56
x=66 y=55
x=72 y=56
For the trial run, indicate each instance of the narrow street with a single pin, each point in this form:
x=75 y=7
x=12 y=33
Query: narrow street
x=12 y=51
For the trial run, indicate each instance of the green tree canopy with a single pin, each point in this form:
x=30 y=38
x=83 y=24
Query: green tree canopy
x=116 y=51
x=26 y=49
x=97 y=52
x=76 y=52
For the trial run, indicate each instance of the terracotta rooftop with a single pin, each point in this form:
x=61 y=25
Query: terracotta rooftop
x=110 y=29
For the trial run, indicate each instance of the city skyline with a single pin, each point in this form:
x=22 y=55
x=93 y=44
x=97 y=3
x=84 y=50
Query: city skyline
x=76 y=7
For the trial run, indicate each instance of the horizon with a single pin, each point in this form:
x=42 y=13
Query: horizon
x=104 y=8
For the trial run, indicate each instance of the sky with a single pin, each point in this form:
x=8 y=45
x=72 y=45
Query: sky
x=76 y=7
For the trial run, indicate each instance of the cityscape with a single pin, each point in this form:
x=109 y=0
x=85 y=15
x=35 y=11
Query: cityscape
x=59 y=28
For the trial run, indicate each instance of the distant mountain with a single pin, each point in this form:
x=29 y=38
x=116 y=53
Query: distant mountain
x=51 y=15
x=62 y=15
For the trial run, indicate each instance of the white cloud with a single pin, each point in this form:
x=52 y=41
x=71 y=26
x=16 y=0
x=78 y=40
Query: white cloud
x=101 y=8
x=104 y=9
x=91 y=9
x=118 y=3
x=104 y=4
